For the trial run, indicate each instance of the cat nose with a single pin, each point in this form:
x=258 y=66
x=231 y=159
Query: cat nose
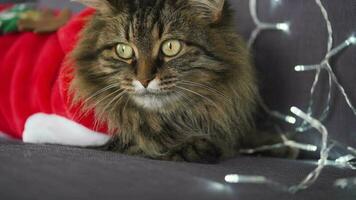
x=145 y=82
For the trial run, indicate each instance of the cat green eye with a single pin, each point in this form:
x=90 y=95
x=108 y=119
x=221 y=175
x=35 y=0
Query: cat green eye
x=124 y=51
x=171 y=48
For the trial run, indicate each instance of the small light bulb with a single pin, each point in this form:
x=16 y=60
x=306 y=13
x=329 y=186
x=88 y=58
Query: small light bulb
x=352 y=150
x=232 y=178
x=305 y=147
x=276 y=3
x=344 y=183
x=299 y=68
x=345 y=159
x=283 y=27
x=296 y=111
x=311 y=148
x=290 y=119
x=303 y=68
x=235 y=178
x=352 y=39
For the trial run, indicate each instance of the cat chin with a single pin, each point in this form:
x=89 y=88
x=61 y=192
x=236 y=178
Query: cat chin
x=149 y=102
x=152 y=102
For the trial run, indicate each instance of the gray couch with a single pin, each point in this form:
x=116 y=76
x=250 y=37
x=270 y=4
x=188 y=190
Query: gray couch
x=57 y=172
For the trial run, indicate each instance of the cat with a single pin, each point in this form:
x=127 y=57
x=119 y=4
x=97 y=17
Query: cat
x=171 y=78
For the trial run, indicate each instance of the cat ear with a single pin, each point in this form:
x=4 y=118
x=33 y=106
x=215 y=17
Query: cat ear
x=103 y=6
x=209 y=9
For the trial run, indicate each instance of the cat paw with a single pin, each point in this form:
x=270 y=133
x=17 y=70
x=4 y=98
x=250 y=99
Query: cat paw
x=195 y=149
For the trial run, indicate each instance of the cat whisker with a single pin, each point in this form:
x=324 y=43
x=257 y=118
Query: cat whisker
x=186 y=98
x=107 y=96
x=172 y=80
x=213 y=90
x=198 y=94
x=97 y=103
x=118 y=101
x=101 y=91
x=116 y=98
x=167 y=87
x=82 y=113
x=203 y=85
x=128 y=99
x=169 y=77
x=96 y=124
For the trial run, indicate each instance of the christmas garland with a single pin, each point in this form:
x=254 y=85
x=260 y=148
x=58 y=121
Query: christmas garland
x=25 y=17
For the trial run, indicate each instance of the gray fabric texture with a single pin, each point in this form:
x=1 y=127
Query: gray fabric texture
x=55 y=172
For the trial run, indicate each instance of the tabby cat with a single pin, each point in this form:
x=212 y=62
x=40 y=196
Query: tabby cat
x=171 y=78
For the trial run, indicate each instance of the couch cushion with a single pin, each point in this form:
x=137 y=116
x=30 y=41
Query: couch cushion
x=56 y=172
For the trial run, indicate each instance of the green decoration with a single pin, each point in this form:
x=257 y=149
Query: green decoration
x=10 y=17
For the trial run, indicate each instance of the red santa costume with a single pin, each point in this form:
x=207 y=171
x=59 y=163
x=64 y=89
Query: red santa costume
x=34 y=102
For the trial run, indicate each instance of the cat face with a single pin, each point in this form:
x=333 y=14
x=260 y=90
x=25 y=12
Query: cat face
x=155 y=53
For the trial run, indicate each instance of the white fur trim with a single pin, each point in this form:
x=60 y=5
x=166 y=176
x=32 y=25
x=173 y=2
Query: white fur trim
x=53 y=129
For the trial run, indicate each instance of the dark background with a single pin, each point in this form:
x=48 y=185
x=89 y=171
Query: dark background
x=277 y=53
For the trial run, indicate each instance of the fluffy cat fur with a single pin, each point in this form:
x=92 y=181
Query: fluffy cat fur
x=203 y=107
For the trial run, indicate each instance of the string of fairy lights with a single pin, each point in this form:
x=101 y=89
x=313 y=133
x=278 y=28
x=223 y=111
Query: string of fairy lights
x=310 y=119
